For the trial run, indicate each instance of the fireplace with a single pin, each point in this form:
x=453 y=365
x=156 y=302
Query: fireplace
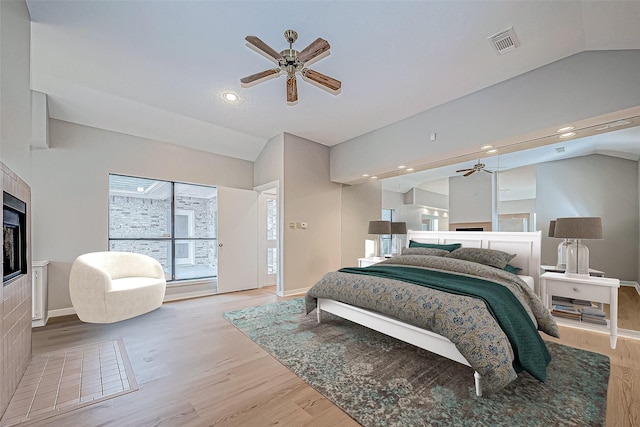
x=14 y=237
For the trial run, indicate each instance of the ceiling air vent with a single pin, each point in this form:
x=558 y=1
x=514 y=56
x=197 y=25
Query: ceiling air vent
x=505 y=41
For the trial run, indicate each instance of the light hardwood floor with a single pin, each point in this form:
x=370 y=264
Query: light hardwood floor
x=196 y=369
x=628 y=308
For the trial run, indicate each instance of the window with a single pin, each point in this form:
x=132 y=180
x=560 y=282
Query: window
x=272 y=230
x=172 y=222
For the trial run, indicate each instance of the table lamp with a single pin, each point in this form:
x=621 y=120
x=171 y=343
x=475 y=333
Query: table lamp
x=397 y=228
x=379 y=227
x=562 y=247
x=578 y=228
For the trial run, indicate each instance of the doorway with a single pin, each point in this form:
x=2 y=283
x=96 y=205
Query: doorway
x=269 y=238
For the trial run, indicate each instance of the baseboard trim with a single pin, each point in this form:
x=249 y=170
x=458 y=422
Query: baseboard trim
x=168 y=298
x=188 y=295
x=61 y=312
x=631 y=283
x=296 y=292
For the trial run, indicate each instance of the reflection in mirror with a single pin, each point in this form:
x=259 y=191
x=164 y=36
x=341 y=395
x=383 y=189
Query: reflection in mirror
x=591 y=176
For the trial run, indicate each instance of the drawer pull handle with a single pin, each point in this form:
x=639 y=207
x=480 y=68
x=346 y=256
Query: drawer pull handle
x=575 y=289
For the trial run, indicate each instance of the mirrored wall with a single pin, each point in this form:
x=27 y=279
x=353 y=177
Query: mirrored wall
x=523 y=190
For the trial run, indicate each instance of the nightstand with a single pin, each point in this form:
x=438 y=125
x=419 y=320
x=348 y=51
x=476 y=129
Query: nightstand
x=595 y=289
x=366 y=262
x=555 y=269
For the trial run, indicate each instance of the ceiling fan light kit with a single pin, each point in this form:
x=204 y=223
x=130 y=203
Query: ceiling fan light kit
x=291 y=62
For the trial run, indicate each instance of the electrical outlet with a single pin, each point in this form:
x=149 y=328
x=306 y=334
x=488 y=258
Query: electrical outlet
x=432 y=137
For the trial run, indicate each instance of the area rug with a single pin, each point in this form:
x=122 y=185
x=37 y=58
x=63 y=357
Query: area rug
x=64 y=380
x=381 y=381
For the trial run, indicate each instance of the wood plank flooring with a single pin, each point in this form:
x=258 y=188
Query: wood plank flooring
x=196 y=369
x=628 y=308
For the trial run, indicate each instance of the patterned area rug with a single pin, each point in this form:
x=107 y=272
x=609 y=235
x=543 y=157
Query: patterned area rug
x=380 y=381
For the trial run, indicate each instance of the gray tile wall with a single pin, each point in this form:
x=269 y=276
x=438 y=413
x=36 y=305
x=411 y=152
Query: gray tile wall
x=15 y=307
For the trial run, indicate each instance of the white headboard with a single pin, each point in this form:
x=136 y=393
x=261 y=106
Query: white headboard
x=526 y=246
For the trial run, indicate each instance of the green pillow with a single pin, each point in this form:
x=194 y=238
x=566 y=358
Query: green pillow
x=511 y=269
x=450 y=248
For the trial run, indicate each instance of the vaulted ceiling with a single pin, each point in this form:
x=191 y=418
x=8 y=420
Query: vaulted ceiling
x=158 y=69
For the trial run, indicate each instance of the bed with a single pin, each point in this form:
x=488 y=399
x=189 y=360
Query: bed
x=485 y=347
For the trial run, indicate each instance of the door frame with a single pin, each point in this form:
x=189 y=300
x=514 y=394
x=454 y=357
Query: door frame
x=262 y=190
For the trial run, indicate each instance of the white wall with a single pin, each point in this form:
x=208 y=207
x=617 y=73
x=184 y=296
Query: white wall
x=360 y=204
x=594 y=185
x=15 y=95
x=70 y=189
x=269 y=166
x=517 y=206
x=309 y=197
x=582 y=86
x=411 y=213
x=471 y=198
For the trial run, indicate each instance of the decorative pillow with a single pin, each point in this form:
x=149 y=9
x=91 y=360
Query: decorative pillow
x=511 y=269
x=451 y=247
x=424 y=251
x=490 y=257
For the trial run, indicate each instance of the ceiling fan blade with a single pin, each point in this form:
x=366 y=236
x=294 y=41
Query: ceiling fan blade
x=325 y=82
x=314 y=50
x=259 y=77
x=487 y=171
x=261 y=47
x=292 y=90
x=463 y=170
x=469 y=173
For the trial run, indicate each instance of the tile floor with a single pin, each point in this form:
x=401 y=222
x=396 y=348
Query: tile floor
x=67 y=379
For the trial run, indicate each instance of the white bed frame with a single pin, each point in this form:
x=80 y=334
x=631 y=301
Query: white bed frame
x=526 y=246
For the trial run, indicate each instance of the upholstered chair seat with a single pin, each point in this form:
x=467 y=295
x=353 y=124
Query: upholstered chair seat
x=108 y=287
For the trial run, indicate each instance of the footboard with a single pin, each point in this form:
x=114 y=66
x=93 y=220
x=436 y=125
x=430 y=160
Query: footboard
x=422 y=338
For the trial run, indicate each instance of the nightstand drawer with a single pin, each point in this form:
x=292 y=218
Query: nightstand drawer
x=579 y=291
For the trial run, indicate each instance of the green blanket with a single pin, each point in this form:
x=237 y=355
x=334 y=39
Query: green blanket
x=530 y=352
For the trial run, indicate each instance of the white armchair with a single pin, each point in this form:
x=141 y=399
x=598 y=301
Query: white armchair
x=107 y=287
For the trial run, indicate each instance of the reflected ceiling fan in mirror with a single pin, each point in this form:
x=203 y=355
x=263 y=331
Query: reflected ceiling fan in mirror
x=476 y=168
x=291 y=62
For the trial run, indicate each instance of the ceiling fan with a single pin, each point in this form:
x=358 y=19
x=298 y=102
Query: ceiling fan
x=476 y=168
x=292 y=62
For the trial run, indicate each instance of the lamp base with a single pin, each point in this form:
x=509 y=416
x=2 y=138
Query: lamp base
x=577 y=259
x=562 y=253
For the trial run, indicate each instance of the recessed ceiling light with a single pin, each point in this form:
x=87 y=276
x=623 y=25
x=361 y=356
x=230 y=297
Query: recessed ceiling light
x=603 y=127
x=493 y=151
x=565 y=129
x=619 y=123
x=567 y=135
x=410 y=170
x=230 y=96
x=140 y=189
x=486 y=147
x=402 y=167
x=374 y=177
x=365 y=175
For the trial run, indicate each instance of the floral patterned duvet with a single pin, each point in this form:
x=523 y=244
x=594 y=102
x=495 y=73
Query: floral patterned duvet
x=464 y=320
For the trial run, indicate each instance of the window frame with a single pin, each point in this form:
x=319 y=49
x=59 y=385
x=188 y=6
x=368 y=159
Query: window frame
x=172 y=240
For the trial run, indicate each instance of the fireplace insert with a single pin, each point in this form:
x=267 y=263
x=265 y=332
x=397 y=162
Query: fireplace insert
x=14 y=237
